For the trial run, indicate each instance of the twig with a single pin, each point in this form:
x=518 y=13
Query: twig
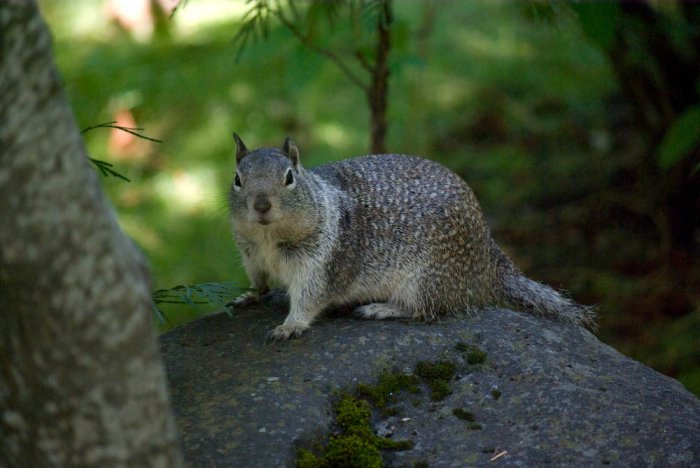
x=106 y=169
x=134 y=131
x=364 y=62
x=352 y=76
x=499 y=455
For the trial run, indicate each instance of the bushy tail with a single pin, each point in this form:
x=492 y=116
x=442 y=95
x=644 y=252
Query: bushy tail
x=525 y=294
x=522 y=293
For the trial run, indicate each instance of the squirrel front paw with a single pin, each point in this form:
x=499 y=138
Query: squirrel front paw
x=247 y=298
x=286 y=331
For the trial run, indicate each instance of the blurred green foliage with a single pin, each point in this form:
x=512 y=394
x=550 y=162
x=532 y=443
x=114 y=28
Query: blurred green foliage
x=681 y=138
x=518 y=103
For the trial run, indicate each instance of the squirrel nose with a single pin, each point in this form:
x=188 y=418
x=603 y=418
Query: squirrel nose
x=262 y=204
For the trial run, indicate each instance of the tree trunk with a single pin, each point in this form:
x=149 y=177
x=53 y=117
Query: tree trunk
x=81 y=382
x=379 y=87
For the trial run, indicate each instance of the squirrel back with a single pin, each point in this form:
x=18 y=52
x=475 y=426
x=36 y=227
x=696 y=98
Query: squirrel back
x=401 y=233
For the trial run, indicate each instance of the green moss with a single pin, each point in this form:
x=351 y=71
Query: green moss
x=352 y=451
x=473 y=353
x=390 y=444
x=462 y=346
x=439 y=389
x=443 y=370
x=306 y=459
x=382 y=393
x=476 y=356
x=464 y=414
x=352 y=413
x=437 y=375
x=356 y=445
x=467 y=416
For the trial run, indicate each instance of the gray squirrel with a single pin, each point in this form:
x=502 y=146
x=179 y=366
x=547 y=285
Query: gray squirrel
x=401 y=236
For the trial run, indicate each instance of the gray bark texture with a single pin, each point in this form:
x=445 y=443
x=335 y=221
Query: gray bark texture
x=81 y=381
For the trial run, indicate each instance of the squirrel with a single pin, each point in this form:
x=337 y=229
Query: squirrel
x=400 y=235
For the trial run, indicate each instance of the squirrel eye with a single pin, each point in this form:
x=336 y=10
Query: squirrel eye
x=289 y=178
x=237 y=180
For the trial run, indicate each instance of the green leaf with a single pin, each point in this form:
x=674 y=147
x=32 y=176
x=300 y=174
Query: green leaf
x=194 y=295
x=598 y=21
x=202 y=293
x=680 y=138
x=255 y=25
x=106 y=169
x=159 y=314
x=543 y=12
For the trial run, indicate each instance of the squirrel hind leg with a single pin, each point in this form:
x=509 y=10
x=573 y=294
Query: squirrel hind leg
x=381 y=311
x=245 y=299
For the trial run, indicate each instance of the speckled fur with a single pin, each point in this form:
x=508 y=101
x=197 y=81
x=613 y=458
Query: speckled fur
x=401 y=235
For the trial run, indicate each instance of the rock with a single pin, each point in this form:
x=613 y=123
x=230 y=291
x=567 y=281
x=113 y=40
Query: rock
x=547 y=393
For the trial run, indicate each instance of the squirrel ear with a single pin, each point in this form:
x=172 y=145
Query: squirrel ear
x=241 y=150
x=291 y=150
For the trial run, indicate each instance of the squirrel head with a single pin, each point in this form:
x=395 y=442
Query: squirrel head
x=266 y=188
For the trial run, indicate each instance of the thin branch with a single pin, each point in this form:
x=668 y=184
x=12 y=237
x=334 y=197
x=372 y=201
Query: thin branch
x=255 y=21
x=293 y=8
x=134 y=131
x=356 y=25
x=364 y=62
x=352 y=76
x=106 y=169
x=160 y=315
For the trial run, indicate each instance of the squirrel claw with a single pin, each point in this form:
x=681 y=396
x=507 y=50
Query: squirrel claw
x=286 y=331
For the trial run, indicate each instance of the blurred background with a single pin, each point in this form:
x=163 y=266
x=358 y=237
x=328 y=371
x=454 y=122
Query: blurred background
x=576 y=124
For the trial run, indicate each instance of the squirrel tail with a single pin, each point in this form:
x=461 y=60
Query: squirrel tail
x=519 y=292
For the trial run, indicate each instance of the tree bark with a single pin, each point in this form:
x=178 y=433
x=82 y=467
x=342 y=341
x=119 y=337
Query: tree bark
x=377 y=94
x=81 y=382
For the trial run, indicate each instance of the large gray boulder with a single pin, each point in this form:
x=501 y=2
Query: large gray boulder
x=547 y=393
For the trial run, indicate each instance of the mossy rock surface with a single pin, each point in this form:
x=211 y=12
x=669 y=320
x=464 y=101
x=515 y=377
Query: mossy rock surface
x=564 y=397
